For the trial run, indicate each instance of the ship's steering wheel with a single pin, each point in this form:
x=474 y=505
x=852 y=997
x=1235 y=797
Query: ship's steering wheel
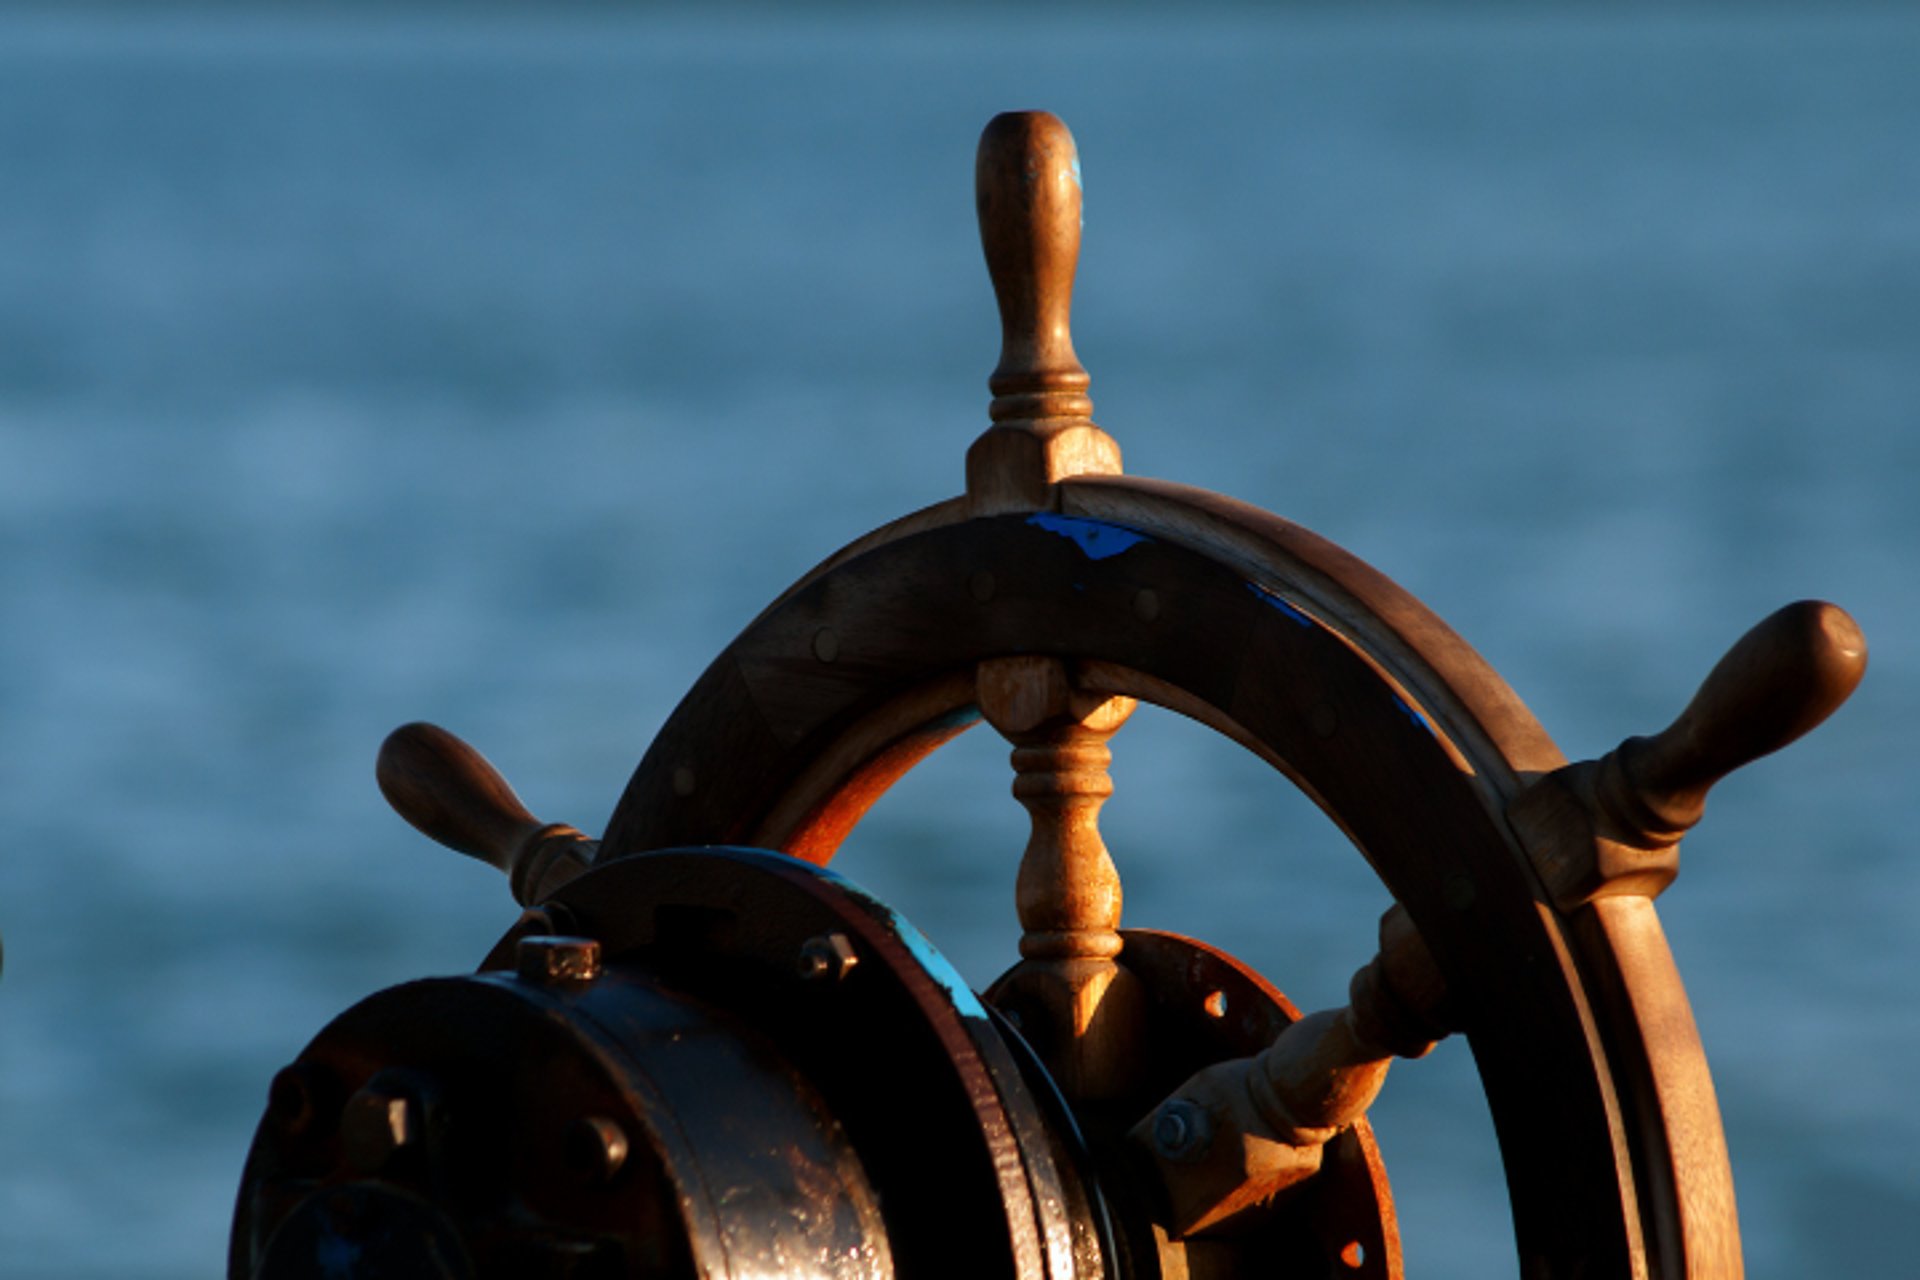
x=1054 y=594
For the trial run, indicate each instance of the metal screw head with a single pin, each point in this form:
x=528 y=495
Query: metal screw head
x=376 y=1124
x=828 y=957
x=1182 y=1129
x=595 y=1147
x=290 y=1100
x=551 y=959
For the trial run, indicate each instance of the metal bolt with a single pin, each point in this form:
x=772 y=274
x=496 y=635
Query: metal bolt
x=290 y=1099
x=595 y=1147
x=981 y=586
x=828 y=957
x=1146 y=604
x=826 y=645
x=549 y=959
x=1182 y=1129
x=377 y=1124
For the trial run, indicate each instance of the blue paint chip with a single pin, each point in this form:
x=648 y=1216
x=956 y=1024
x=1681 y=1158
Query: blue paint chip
x=932 y=963
x=1407 y=710
x=1096 y=539
x=1273 y=601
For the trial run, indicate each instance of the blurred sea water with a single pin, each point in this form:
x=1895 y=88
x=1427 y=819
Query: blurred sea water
x=495 y=369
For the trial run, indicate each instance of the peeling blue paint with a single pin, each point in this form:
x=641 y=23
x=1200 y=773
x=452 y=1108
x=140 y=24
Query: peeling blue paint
x=932 y=963
x=1413 y=715
x=1274 y=601
x=1096 y=539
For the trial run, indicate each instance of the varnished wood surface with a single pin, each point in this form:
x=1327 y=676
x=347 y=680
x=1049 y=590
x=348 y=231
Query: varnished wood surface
x=1067 y=890
x=912 y=612
x=452 y=794
x=1666 y=1091
x=1027 y=190
x=1206 y=1007
x=1777 y=683
x=1056 y=585
x=928 y=615
x=1612 y=826
x=1411 y=644
x=1326 y=669
x=1780 y=680
x=1605 y=837
x=1268 y=1115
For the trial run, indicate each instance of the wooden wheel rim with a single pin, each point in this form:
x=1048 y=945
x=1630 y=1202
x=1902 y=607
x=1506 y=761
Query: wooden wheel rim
x=1324 y=668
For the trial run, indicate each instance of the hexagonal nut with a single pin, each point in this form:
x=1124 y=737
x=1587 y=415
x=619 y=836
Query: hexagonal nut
x=594 y=1148
x=1182 y=1130
x=550 y=959
x=827 y=957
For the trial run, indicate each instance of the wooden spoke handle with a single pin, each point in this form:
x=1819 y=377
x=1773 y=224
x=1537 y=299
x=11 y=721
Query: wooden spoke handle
x=1027 y=184
x=450 y=793
x=1612 y=826
x=1239 y=1133
x=1782 y=678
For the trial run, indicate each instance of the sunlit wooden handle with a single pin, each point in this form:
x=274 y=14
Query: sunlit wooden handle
x=451 y=794
x=1612 y=826
x=1781 y=679
x=1239 y=1133
x=1027 y=184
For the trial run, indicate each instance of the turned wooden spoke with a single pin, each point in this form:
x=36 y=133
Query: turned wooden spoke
x=1240 y=1132
x=1068 y=890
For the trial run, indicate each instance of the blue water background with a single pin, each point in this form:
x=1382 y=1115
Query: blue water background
x=495 y=369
